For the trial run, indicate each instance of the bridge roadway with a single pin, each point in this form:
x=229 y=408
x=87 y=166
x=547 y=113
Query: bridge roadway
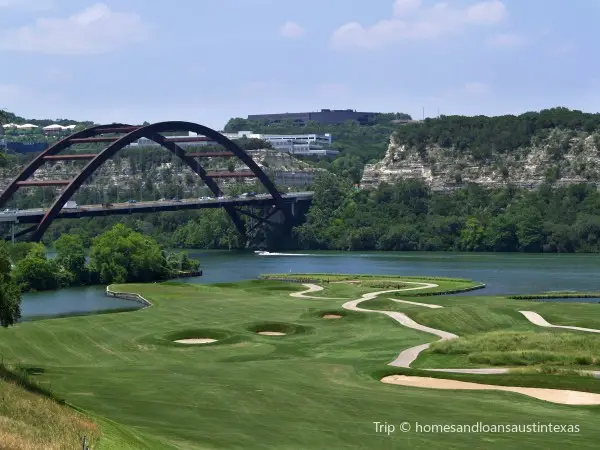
x=36 y=215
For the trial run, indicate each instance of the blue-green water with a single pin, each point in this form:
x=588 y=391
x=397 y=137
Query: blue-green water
x=70 y=301
x=503 y=273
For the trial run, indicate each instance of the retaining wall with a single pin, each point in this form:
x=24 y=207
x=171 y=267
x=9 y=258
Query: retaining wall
x=128 y=296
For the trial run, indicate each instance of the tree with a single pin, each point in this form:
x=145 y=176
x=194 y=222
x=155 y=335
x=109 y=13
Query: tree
x=10 y=295
x=180 y=261
x=122 y=255
x=530 y=231
x=472 y=234
x=501 y=234
x=35 y=272
x=70 y=258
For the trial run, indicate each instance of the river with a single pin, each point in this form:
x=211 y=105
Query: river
x=503 y=273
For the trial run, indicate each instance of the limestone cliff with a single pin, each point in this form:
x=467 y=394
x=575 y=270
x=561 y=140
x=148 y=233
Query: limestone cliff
x=124 y=171
x=564 y=157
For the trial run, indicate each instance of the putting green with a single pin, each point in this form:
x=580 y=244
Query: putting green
x=316 y=387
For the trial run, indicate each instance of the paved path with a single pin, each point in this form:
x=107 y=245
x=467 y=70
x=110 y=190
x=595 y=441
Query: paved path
x=408 y=356
x=312 y=288
x=426 y=305
x=536 y=319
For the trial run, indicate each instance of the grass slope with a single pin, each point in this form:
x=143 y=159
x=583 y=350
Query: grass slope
x=29 y=420
x=316 y=388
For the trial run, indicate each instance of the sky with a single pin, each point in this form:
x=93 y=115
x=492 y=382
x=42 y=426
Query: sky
x=209 y=60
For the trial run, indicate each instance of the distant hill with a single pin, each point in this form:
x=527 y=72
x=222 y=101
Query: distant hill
x=358 y=144
x=9 y=117
x=556 y=145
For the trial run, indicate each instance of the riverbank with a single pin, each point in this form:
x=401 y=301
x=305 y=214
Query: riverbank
x=501 y=273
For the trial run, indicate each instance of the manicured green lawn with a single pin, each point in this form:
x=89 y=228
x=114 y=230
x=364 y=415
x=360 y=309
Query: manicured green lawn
x=316 y=388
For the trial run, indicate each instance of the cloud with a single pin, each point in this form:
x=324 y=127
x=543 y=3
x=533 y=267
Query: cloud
x=291 y=30
x=402 y=7
x=508 y=40
x=412 y=21
x=94 y=30
x=28 y=5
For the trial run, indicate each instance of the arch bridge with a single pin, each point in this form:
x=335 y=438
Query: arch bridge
x=272 y=208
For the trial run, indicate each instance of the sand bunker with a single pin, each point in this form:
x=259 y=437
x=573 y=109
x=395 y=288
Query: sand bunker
x=196 y=341
x=550 y=395
x=271 y=333
x=332 y=316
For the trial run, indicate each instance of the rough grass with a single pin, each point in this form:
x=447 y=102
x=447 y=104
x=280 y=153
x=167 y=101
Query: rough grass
x=32 y=421
x=524 y=348
x=313 y=390
x=346 y=277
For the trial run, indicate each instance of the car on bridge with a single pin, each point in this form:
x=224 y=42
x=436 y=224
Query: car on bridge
x=131 y=201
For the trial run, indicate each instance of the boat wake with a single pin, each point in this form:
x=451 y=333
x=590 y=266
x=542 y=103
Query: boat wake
x=264 y=253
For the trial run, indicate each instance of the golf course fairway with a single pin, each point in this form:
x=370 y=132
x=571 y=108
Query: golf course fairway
x=262 y=367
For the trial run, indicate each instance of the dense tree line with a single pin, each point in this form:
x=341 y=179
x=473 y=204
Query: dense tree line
x=483 y=137
x=402 y=217
x=409 y=216
x=118 y=255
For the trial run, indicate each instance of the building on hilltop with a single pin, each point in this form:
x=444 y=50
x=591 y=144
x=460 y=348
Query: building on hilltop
x=295 y=144
x=325 y=116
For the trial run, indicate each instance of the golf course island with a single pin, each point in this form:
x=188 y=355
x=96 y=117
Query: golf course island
x=312 y=361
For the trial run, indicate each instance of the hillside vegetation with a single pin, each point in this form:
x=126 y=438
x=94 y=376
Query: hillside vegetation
x=357 y=144
x=32 y=421
x=410 y=216
x=557 y=146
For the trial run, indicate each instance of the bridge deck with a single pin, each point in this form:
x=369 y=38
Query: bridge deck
x=35 y=215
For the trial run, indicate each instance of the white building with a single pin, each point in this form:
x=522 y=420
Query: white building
x=295 y=144
x=53 y=127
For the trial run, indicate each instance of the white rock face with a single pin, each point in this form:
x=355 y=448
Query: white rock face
x=446 y=169
x=119 y=171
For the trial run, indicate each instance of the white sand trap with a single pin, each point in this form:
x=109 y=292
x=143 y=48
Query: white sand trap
x=196 y=341
x=332 y=316
x=550 y=395
x=271 y=333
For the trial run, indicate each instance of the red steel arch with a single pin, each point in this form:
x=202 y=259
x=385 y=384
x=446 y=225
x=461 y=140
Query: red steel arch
x=152 y=132
x=57 y=148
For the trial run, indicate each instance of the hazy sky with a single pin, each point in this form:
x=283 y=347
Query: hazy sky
x=209 y=60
